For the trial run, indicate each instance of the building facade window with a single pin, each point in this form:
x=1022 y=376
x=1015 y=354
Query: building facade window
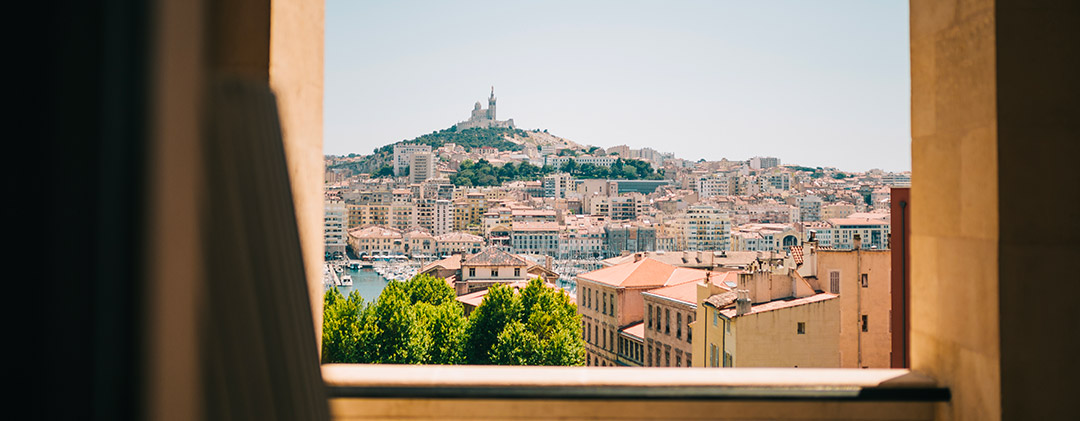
x=517 y=272
x=865 y=324
x=864 y=279
x=678 y=325
x=495 y=273
x=649 y=319
x=834 y=282
x=667 y=321
x=801 y=328
x=472 y=272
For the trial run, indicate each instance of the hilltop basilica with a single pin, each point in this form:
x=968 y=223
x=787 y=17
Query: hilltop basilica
x=485 y=117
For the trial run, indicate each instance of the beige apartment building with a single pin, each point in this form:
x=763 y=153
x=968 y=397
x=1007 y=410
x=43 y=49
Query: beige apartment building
x=793 y=332
x=862 y=279
x=489 y=267
x=375 y=241
x=610 y=300
x=669 y=312
x=401 y=215
x=469 y=212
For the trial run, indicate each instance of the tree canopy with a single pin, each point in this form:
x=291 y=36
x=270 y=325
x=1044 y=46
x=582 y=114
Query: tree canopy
x=469 y=138
x=421 y=322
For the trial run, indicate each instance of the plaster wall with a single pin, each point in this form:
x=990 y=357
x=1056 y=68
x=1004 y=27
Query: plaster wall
x=954 y=230
x=296 y=76
x=855 y=301
x=770 y=339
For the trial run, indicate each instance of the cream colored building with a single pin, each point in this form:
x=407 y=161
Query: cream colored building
x=375 y=241
x=669 y=313
x=489 y=267
x=702 y=228
x=837 y=210
x=764 y=237
x=793 y=332
x=458 y=242
x=402 y=215
x=863 y=279
x=610 y=300
x=422 y=167
x=335 y=220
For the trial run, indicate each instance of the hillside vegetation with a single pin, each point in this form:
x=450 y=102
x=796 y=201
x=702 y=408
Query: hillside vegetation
x=469 y=139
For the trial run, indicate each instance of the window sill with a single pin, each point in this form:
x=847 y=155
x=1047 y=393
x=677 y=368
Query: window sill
x=362 y=391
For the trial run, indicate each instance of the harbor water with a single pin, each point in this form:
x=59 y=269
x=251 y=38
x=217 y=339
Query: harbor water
x=365 y=281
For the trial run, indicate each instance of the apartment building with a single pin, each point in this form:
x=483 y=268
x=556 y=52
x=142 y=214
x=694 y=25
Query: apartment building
x=535 y=238
x=795 y=332
x=837 y=210
x=335 y=220
x=489 y=267
x=809 y=208
x=401 y=212
x=469 y=212
x=764 y=237
x=669 y=313
x=610 y=300
x=619 y=238
x=702 y=228
x=557 y=185
x=458 y=243
x=422 y=167
x=403 y=156
x=375 y=241
x=622 y=207
x=862 y=279
x=841 y=233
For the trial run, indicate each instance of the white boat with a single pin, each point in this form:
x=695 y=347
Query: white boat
x=346 y=280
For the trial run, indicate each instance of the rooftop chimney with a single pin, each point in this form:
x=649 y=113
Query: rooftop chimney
x=858 y=241
x=637 y=257
x=547 y=262
x=742 y=303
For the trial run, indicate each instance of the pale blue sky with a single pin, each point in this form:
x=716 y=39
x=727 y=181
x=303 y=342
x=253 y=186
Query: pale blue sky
x=818 y=83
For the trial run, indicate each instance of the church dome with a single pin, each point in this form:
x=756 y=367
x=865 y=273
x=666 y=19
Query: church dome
x=477 y=106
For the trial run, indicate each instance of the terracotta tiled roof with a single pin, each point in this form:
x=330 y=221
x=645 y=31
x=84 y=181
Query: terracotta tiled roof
x=779 y=304
x=374 y=232
x=797 y=254
x=449 y=263
x=644 y=273
x=687 y=292
x=636 y=330
x=722 y=300
x=536 y=226
x=858 y=221
x=493 y=256
x=458 y=236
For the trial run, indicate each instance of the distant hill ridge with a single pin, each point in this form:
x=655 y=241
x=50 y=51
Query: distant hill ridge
x=501 y=138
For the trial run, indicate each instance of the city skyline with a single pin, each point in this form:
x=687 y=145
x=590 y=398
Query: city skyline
x=804 y=83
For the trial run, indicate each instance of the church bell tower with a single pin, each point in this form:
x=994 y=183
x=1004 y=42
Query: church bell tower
x=491 y=105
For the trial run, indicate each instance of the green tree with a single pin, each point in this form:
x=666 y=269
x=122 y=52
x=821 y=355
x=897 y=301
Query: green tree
x=499 y=308
x=392 y=333
x=341 y=326
x=516 y=345
x=385 y=171
x=446 y=325
x=429 y=289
